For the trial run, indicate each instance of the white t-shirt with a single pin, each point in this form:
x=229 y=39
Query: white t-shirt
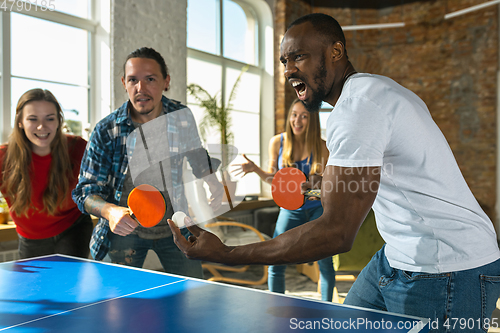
x=424 y=209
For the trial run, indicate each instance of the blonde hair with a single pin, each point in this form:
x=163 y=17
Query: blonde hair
x=16 y=166
x=313 y=141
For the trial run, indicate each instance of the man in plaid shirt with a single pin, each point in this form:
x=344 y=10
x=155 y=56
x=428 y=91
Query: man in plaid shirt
x=105 y=178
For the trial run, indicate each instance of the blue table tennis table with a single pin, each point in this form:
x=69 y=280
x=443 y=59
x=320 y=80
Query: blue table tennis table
x=65 y=294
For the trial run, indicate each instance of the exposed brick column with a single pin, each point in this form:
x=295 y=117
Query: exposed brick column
x=286 y=11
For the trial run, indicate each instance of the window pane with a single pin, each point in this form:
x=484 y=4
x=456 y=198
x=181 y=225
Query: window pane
x=59 y=54
x=73 y=101
x=239 y=33
x=206 y=74
x=250 y=183
x=78 y=8
x=246 y=130
x=203 y=25
x=247 y=95
x=245 y=123
x=212 y=135
x=323 y=118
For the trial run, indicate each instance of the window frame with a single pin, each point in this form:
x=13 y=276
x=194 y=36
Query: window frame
x=90 y=25
x=264 y=67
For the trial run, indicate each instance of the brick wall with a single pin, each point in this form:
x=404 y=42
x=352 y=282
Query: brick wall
x=451 y=64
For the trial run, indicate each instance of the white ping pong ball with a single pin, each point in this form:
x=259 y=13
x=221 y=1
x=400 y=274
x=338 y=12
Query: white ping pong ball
x=178 y=219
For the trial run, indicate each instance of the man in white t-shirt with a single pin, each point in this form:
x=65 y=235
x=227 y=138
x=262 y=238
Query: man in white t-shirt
x=441 y=258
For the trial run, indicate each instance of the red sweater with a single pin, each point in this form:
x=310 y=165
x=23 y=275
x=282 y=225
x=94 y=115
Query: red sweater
x=40 y=225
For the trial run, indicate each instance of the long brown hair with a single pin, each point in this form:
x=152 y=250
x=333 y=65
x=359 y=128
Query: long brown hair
x=313 y=141
x=16 y=167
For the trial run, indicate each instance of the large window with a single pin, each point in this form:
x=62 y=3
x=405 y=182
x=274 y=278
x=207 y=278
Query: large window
x=223 y=36
x=63 y=69
x=324 y=113
x=50 y=46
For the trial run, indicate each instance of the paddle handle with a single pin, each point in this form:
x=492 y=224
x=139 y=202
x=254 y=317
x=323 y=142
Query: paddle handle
x=133 y=216
x=313 y=193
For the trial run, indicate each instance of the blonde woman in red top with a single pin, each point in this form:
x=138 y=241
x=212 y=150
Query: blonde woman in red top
x=39 y=168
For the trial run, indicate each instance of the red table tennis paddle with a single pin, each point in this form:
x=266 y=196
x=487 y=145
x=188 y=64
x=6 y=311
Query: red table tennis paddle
x=147 y=205
x=286 y=191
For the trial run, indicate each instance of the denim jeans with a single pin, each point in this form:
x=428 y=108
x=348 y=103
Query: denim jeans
x=461 y=301
x=131 y=250
x=73 y=241
x=289 y=219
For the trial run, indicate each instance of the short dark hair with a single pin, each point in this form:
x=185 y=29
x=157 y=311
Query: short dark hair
x=149 y=53
x=324 y=24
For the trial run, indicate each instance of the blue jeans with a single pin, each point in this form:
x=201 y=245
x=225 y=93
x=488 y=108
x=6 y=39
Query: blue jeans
x=289 y=219
x=131 y=250
x=460 y=301
x=73 y=241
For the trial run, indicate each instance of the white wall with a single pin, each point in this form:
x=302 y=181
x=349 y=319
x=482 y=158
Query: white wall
x=152 y=23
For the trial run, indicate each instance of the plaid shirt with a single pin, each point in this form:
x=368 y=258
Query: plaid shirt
x=105 y=164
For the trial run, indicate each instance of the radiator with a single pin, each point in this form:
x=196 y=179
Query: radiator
x=243 y=218
x=9 y=255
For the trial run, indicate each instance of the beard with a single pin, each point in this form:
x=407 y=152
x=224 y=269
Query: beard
x=316 y=100
x=141 y=111
x=314 y=104
x=144 y=112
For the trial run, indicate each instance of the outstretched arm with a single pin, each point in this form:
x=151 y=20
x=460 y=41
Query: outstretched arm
x=250 y=166
x=347 y=196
